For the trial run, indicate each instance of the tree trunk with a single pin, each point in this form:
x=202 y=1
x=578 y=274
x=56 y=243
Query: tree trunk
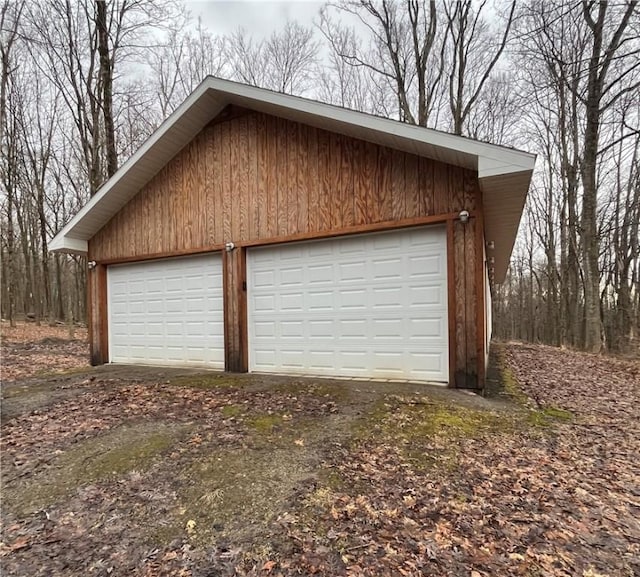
x=106 y=77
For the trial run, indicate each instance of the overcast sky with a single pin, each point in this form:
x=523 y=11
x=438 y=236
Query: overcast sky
x=258 y=18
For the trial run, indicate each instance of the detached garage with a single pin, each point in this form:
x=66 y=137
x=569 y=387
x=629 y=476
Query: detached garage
x=256 y=231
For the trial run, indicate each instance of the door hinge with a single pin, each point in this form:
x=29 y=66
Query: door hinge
x=244 y=285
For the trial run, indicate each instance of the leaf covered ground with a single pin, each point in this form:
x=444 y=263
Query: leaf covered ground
x=149 y=472
x=29 y=349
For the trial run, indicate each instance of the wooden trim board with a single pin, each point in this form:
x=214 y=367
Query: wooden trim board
x=161 y=255
x=451 y=305
x=480 y=298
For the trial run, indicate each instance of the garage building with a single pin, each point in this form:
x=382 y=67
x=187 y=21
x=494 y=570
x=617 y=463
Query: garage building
x=257 y=231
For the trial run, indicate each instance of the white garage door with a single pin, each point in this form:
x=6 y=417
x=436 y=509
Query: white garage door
x=167 y=312
x=371 y=305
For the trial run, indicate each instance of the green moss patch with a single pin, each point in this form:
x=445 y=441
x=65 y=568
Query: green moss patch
x=510 y=384
x=108 y=456
x=208 y=381
x=548 y=416
x=336 y=391
x=12 y=392
x=413 y=419
x=428 y=432
x=229 y=411
x=235 y=492
x=267 y=423
x=428 y=419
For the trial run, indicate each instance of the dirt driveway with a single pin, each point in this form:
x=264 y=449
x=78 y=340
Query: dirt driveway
x=140 y=471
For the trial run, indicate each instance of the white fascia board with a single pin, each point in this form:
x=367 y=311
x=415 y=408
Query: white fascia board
x=69 y=245
x=489 y=166
x=491 y=155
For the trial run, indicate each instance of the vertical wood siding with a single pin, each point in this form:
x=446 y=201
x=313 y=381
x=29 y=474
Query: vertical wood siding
x=256 y=176
x=97 y=314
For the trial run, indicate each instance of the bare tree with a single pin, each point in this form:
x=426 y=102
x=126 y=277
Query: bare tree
x=403 y=50
x=10 y=15
x=472 y=56
x=182 y=60
x=579 y=75
x=607 y=82
x=286 y=61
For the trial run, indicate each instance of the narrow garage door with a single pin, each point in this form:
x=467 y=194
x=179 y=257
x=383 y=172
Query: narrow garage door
x=167 y=312
x=371 y=305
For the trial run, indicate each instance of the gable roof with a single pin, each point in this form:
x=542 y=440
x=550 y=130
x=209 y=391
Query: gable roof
x=504 y=173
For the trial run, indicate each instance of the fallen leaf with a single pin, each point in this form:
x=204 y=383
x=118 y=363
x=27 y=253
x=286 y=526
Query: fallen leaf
x=169 y=555
x=20 y=543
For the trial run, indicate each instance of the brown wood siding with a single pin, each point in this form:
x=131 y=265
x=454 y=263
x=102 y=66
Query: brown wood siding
x=252 y=178
x=465 y=299
x=234 y=267
x=256 y=177
x=97 y=312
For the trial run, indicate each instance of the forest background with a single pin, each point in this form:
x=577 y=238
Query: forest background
x=84 y=82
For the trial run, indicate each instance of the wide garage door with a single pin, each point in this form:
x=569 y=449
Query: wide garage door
x=167 y=312
x=372 y=305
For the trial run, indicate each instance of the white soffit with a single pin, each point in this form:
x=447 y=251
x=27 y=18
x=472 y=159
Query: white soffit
x=503 y=173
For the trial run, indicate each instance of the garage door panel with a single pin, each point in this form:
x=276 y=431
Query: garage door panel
x=292 y=329
x=389 y=242
x=167 y=312
x=264 y=359
x=265 y=303
x=319 y=274
x=319 y=250
x=291 y=302
x=426 y=328
x=424 y=295
x=291 y=277
x=426 y=265
x=321 y=359
x=365 y=306
x=321 y=328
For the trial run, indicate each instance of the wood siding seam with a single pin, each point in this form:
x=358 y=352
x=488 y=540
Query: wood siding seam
x=242 y=320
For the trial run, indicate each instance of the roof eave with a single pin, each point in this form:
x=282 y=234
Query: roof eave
x=69 y=245
x=504 y=196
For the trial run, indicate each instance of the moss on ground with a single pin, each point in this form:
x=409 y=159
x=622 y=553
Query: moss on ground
x=107 y=456
x=12 y=392
x=208 y=381
x=547 y=416
x=412 y=419
x=557 y=413
x=336 y=391
x=428 y=431
x=237 y=492
x=510 y=385
x=229 y=411
x=267 y=423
